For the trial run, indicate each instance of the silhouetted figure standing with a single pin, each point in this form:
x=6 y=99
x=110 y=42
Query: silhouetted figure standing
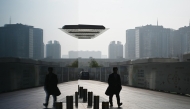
x=114 y=87
x=50 y=86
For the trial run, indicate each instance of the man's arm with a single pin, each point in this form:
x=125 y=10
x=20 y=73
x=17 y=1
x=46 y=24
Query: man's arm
x=56 y=79
x=45 y=83
x=119 y=80
x=109 y=81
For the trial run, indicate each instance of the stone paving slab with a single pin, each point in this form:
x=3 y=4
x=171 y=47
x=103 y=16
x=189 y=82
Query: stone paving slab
x=80 y=100
x=136 y=98
x=132 y=98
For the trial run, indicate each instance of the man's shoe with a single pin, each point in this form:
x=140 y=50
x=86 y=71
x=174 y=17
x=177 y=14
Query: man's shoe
x=53 y=104
x=120 y=104
x=45 y=104
x=111 y=105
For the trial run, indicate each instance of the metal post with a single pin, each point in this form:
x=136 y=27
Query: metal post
x=105 y=105
x=78 y=90
x=76 y=99
x=96 y=102
x=81 y=92
x=61 y=72
x=58 y=105
x=68 y=74
x=90 y=94
x=84 y=95
x=69 y=102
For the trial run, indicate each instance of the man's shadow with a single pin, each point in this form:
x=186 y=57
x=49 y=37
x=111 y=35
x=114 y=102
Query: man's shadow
x=115 y=108
x=91 y=107
x=49 y=108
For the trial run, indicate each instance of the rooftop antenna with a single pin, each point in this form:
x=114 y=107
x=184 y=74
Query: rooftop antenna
x=10 y=21
x=189 y=22
x=157 y=21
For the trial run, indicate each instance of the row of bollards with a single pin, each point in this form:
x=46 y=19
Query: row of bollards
x=69 y=102
x=96 y=102
x=76 y=99
x=58 y=105
x=82 y=93
x=105 y=105
x=90 y=95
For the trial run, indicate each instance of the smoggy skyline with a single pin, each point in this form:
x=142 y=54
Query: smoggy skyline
x=117 y=15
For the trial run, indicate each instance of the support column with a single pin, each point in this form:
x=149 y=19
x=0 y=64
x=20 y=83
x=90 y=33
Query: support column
x=84 y=95
x=96 y=102
x=69 y=102
x=90 y=95
x=76 y=99
x=105 y=105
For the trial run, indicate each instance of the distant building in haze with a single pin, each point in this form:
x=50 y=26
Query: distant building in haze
x=112 y=50
x=84 y=54
x=104 y=56
x=73 y=54
x=130 y=44
x=65 y=56
x=181 y=42
x=150 y=41
x=38 y=50
x=18 y=40
x=115 y=51
x=119 y=50
x=53 y=50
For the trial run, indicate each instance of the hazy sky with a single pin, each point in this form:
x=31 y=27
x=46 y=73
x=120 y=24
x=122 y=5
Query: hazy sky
x=117 y=15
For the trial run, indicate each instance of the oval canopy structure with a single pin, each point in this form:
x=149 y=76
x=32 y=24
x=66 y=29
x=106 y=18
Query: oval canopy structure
x=84 y=31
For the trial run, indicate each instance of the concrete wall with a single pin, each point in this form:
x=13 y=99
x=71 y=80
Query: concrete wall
x=16 y=74
x=170 y=77
x=186 y=57
x=164 y=76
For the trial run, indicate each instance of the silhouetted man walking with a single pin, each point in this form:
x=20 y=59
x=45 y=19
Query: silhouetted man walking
x=114 y=87
x=50 y=86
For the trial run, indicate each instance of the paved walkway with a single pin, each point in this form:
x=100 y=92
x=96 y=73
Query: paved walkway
x=132 y=98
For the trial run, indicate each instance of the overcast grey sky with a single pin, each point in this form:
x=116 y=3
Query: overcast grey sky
x=117 y=15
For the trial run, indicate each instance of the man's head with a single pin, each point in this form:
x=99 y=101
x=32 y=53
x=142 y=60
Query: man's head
x=115 y=69
x=50 y=69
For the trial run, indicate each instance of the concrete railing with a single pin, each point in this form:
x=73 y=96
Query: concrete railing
x=170 y=77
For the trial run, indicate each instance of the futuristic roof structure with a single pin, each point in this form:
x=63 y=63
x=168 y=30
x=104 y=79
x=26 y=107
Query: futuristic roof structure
x=84 y=31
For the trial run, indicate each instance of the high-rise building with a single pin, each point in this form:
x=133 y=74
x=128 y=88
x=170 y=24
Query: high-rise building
x=167 y=46
x=56 y=50
x=73 y=54
x=65 y=56
x=181 y=42
x=130 y=44
x=155 y=41
x=49 y=50
x=17 y=40
x=104 y=56
x=84 y=54
x=115 y=51
x=119 y=50
x=151 y=41
x=184 y=32
x=53 y=50
x=38 y=50
x=112 y=50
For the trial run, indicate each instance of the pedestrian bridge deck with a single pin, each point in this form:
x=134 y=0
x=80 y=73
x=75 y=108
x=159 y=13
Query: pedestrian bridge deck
x=132 y=98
